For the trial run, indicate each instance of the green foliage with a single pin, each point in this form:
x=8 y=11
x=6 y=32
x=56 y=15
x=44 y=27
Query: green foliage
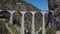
x=14 y=29
x=3 y=29
x=50 y=31
x=38 y=21
x=17 y=15
x=17 y=18
x=17 y=32
x=28 y=17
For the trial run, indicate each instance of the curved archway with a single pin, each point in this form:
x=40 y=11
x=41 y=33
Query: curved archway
x=28 y=20
x=38 y=22
x=5 y=14
x=17 y=18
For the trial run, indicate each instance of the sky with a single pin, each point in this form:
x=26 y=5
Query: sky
x=41 y=4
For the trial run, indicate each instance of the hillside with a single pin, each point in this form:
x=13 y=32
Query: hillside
x=12 y=5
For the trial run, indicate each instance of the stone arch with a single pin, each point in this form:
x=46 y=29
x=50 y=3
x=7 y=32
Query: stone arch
x=5 y=14
x=17 y=18
x=38 y=21
x=28 y=20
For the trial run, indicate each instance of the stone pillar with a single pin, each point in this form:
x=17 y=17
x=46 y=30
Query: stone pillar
x=11 y=16
x=43 y=24
x=22 y=22
x=33 y=26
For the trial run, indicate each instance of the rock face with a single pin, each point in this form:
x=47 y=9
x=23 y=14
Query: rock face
x=54 y=5
x=54 y=9
x=13 y=5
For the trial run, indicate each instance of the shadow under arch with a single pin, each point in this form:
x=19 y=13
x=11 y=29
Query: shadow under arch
x=17 y=18
x=38 y=22
x=28 y=20
x=5 y=14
